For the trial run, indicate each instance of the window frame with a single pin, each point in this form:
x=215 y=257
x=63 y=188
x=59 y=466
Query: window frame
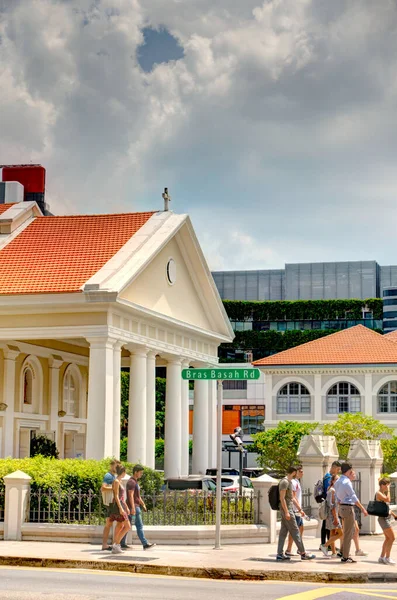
x=343 y=396
x=387 y=397
x=297 y=398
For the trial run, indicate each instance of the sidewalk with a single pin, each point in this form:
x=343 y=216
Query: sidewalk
x=252 y=562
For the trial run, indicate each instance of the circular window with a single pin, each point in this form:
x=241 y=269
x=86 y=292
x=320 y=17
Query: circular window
x=171 y=271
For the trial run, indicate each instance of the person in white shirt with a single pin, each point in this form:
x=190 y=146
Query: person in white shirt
x=297 y=507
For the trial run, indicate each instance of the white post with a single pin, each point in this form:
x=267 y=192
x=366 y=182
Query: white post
x=100 y=399
x=185 y=423
x=17 y=486
x=10 y=356
x=218 y=517
x=212 y=424
x=55 y=362
x=117 y=398
x=137 y=407
x=264 y=514
x=200 y=427
x=172 y=429
x=151 y=409
x=367 y=458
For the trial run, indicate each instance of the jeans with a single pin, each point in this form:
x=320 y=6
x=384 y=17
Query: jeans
x=325 y=533
x=138 y=525
x=291 y=527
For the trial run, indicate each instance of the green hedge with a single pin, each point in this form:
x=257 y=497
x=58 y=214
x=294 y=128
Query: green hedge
x=275 y=341
x=71 y=474
x=299 y=310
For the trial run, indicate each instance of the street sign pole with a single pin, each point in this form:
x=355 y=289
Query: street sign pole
x=218 y=514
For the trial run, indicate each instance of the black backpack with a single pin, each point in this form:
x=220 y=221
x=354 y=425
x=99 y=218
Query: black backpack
x=274 y=497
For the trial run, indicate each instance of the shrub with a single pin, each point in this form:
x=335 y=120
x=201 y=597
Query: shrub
x=41 y=445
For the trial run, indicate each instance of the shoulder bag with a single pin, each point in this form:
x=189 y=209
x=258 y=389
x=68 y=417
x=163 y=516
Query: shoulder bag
x=377 y=508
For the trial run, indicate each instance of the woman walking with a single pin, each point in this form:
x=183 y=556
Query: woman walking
x=333 y=523
x=119 y=510
x=383 y=495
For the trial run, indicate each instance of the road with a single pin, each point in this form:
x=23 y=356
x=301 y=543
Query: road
x=62 y=584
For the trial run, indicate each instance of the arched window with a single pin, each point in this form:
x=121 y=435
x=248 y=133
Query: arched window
x=27 y=386
x=343 y=397
x=387 y=398
x=70 y=394
x=293 y=398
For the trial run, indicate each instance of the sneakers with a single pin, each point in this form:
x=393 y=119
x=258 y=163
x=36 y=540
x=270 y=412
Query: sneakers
x=382 y=560
x=324 y=550
x=126 y=547
x=148 y=546
x=334 y=555
x=361 y=553
x=307 y=556
x=108 y=548
x=347 y=560
x=290 y=554
x=390 y=561
x=116 y=549
x=281 y=557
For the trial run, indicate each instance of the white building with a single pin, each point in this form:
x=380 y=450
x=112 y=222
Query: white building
x=81 y=296
x=353 y=370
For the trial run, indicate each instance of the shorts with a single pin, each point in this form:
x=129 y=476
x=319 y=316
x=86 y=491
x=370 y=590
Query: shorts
x=384 y=522
x=299 y=520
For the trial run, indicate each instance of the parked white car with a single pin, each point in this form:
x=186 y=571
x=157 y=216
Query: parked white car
x=230 y=483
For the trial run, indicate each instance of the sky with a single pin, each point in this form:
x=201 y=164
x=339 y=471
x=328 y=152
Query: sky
x=273 y=124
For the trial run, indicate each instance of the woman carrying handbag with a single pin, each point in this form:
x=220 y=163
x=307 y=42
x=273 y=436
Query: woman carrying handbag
x=383 y=495
x=118 y=510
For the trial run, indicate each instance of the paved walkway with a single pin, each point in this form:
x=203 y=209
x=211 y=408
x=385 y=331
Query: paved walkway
x=239 y=561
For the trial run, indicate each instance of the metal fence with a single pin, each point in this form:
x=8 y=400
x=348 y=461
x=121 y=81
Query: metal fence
x=2 y=498
x=393 y=492
x=188 y=507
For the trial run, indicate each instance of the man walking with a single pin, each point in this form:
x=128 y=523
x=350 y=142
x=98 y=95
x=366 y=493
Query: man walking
x=334 y=470
x=297 y=507
x=288 y=521
x=347 y=500
x=136 y=505
x=107 y=498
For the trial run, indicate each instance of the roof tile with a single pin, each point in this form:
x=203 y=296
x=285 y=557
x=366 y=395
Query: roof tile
x=59 y=254
x=356 y=345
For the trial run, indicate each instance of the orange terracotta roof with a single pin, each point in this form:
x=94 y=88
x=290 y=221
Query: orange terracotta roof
x=4 y=207
x=356 y=345
x=391 y=336
x=59 y=254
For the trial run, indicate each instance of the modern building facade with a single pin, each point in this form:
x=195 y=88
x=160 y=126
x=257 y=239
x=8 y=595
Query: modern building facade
x=308 y=281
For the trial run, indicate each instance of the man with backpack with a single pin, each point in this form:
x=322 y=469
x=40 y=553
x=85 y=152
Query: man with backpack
x=288 y=521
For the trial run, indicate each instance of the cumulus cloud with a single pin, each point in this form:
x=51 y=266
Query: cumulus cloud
x=275 y=131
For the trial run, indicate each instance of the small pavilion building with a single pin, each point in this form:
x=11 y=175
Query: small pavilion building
x=354 y=370
x=81 y=297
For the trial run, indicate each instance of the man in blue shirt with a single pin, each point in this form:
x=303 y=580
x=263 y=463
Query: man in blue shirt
x=347 y=500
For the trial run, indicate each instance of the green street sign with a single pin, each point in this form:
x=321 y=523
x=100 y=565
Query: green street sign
x=220 y=373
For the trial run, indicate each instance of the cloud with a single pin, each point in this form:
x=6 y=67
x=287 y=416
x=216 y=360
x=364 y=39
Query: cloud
x=276 y=131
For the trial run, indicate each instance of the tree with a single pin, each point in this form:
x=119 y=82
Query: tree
x=355 y=426
x=160 y=404
x=277 y=447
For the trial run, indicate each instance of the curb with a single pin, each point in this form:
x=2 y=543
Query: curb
x=199 y=572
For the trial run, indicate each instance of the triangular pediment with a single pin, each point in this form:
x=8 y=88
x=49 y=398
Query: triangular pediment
x=190 y=296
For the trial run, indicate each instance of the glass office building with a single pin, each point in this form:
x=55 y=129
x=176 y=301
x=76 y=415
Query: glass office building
x=308 y=281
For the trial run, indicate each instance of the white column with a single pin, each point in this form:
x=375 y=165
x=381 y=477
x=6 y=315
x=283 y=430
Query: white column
x=269 y=417
x=9 y=399
x=317 y=409
x=200 y=427
x=100 y=399
x=185 y=423
x=117 y=398
x=150 y=409
x=212 y=424
x=172 y=441
x=368 y=404
x=137 y=407
x=54 y=363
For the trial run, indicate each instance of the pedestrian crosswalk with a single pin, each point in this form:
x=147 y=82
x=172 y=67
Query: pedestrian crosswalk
x=339 y=592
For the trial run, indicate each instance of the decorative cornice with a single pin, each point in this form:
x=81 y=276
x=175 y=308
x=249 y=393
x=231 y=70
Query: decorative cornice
x=392 y=370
